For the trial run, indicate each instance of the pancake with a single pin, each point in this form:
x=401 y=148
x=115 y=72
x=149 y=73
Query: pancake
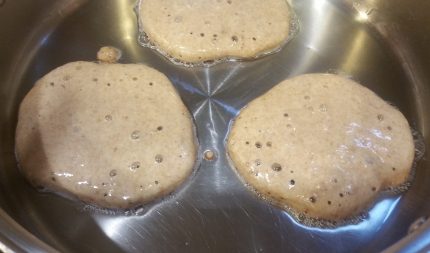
x=321 y=145
x=113 y=135
x=204 y=30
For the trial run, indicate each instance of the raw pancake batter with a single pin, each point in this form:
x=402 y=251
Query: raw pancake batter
x=110 y=134
x=322 y=145
x=202 y=30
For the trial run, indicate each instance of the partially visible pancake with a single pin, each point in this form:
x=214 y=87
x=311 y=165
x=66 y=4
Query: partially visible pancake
x=322 y=145
x=202 y=30
x=110 y=134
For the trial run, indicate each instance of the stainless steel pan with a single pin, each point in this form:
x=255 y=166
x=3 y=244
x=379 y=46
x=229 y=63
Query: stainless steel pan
x=383 y=44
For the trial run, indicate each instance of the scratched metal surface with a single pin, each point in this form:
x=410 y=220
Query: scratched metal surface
x=378 y=43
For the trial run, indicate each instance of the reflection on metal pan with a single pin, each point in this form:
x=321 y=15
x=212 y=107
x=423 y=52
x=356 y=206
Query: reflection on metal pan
x=381 y=44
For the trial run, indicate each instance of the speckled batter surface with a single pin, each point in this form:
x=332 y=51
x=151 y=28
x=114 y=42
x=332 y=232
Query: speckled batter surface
x=322 y=145
x=201 y=30
x=110 y=134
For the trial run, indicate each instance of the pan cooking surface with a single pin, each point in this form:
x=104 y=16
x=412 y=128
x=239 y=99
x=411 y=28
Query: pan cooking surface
x=212 y=211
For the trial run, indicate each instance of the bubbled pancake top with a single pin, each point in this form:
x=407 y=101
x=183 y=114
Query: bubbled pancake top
x=322 y=145
x=111 y=134
x=200 y=30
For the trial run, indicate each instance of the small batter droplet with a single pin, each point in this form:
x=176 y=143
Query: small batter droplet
x=209 y=155
x=108 y=54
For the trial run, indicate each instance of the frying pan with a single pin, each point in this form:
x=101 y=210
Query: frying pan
x=383 y=44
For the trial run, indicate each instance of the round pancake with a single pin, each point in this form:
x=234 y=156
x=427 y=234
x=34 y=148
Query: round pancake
x=322 y=145
x=202 y=30
x=110 y=134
